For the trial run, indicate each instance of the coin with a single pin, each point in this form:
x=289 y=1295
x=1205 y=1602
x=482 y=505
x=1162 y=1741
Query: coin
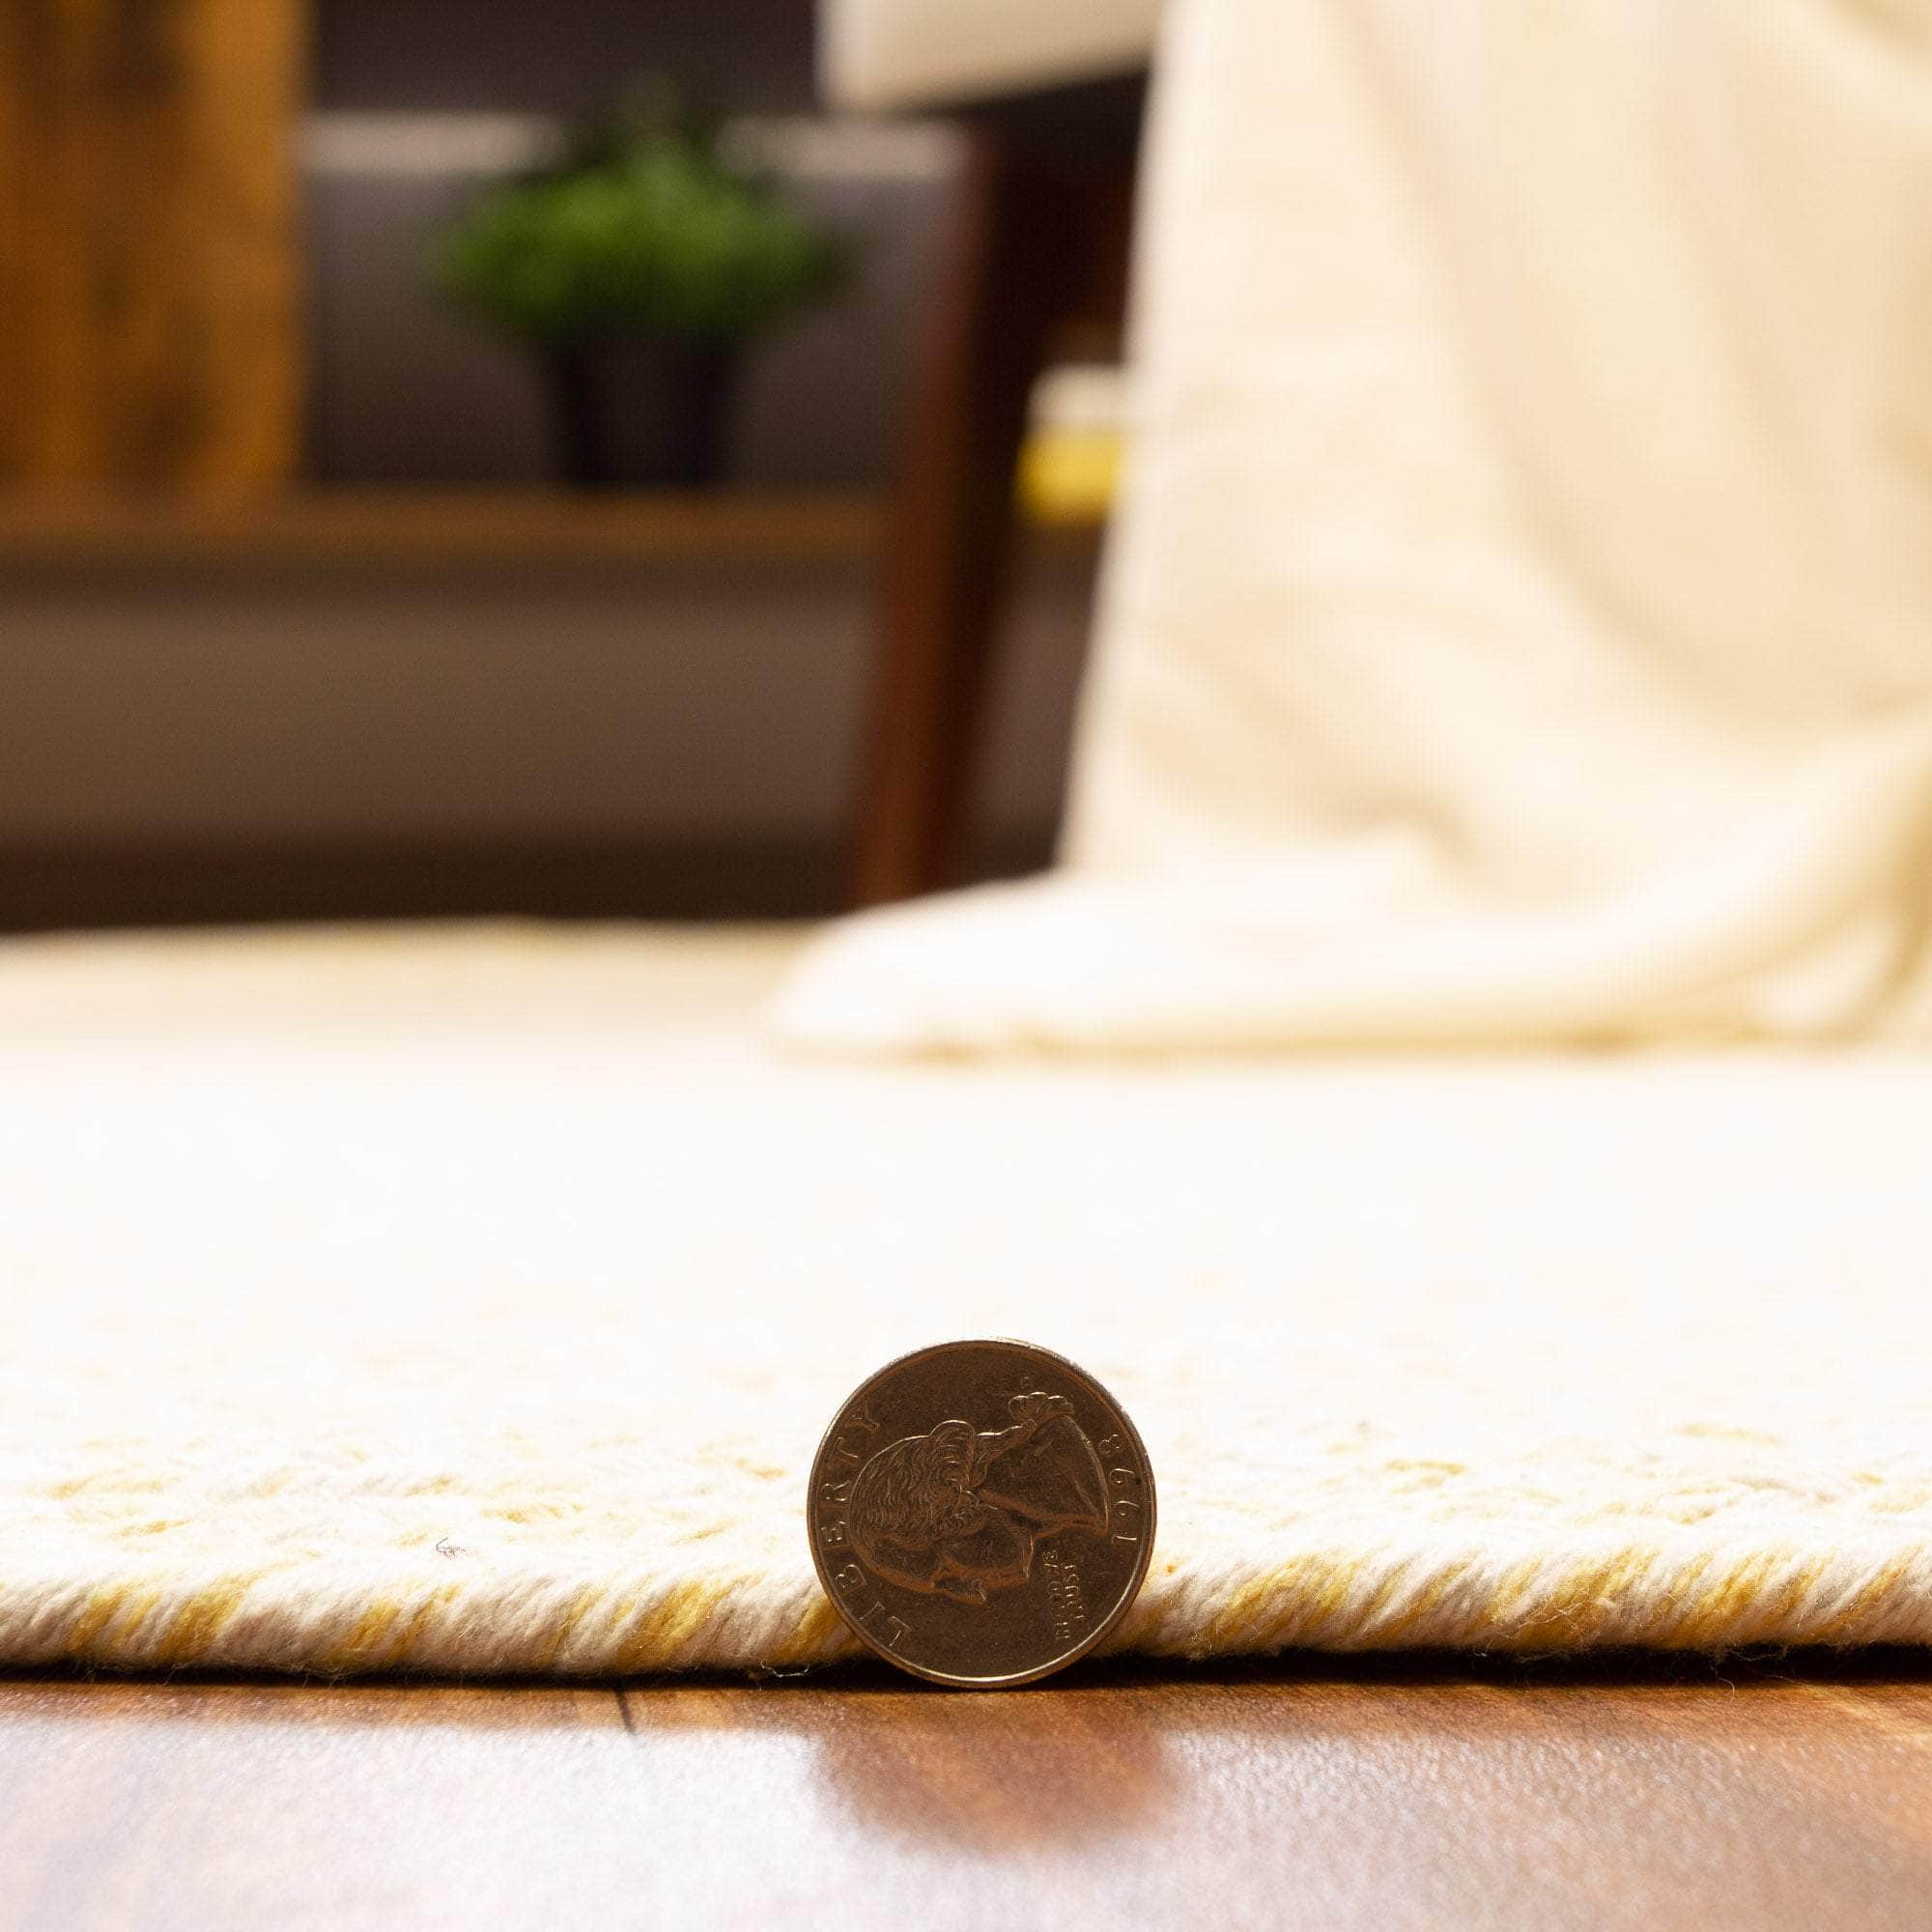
x=981 y=1513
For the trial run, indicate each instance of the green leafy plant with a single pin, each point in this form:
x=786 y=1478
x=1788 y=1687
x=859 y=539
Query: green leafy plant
x=645 y=231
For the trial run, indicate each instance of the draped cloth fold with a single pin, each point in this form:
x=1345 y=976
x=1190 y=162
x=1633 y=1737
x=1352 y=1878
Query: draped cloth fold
x=1517 y=626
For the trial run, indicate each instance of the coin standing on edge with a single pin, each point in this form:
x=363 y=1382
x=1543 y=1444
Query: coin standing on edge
x=981 y=1513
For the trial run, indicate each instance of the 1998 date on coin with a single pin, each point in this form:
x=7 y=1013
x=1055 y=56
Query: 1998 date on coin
x=981 y=1513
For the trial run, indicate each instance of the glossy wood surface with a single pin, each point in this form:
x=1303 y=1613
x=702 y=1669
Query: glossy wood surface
x=1318 y=1794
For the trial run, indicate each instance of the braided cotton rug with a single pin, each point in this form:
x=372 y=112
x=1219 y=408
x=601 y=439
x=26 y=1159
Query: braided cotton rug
x=472 y=1300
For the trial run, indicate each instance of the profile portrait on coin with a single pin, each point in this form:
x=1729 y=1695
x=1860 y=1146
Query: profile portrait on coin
x=957 y=1511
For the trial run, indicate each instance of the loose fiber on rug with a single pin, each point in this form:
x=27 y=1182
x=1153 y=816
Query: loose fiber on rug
x=472 y=1301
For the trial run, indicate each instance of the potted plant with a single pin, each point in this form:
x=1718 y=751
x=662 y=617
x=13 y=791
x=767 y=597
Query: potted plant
x=637 y=268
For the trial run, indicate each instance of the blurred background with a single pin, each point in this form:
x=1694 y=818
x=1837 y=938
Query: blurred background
x=579 y=459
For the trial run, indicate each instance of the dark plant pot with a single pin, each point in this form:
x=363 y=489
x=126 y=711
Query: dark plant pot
x=642 y=413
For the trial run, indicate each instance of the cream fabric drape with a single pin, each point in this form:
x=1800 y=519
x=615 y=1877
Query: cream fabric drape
x=1518 y=624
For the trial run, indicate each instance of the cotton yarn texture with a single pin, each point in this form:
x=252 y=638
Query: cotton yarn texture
x=472 y=1300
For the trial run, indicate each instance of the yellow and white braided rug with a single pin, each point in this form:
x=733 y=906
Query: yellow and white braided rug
x=472 y=1301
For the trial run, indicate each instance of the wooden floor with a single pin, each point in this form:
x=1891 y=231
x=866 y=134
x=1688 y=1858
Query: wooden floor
x=1788 y=1794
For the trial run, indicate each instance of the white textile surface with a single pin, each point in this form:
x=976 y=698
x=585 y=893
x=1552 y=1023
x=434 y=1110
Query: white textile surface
x=1519 y=623
x=475 y=1300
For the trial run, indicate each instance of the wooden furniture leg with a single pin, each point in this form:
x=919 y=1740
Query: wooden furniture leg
x=1038 y=239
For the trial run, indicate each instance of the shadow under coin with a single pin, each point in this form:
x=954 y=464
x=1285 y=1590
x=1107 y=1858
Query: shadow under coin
x=1012 y=1769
